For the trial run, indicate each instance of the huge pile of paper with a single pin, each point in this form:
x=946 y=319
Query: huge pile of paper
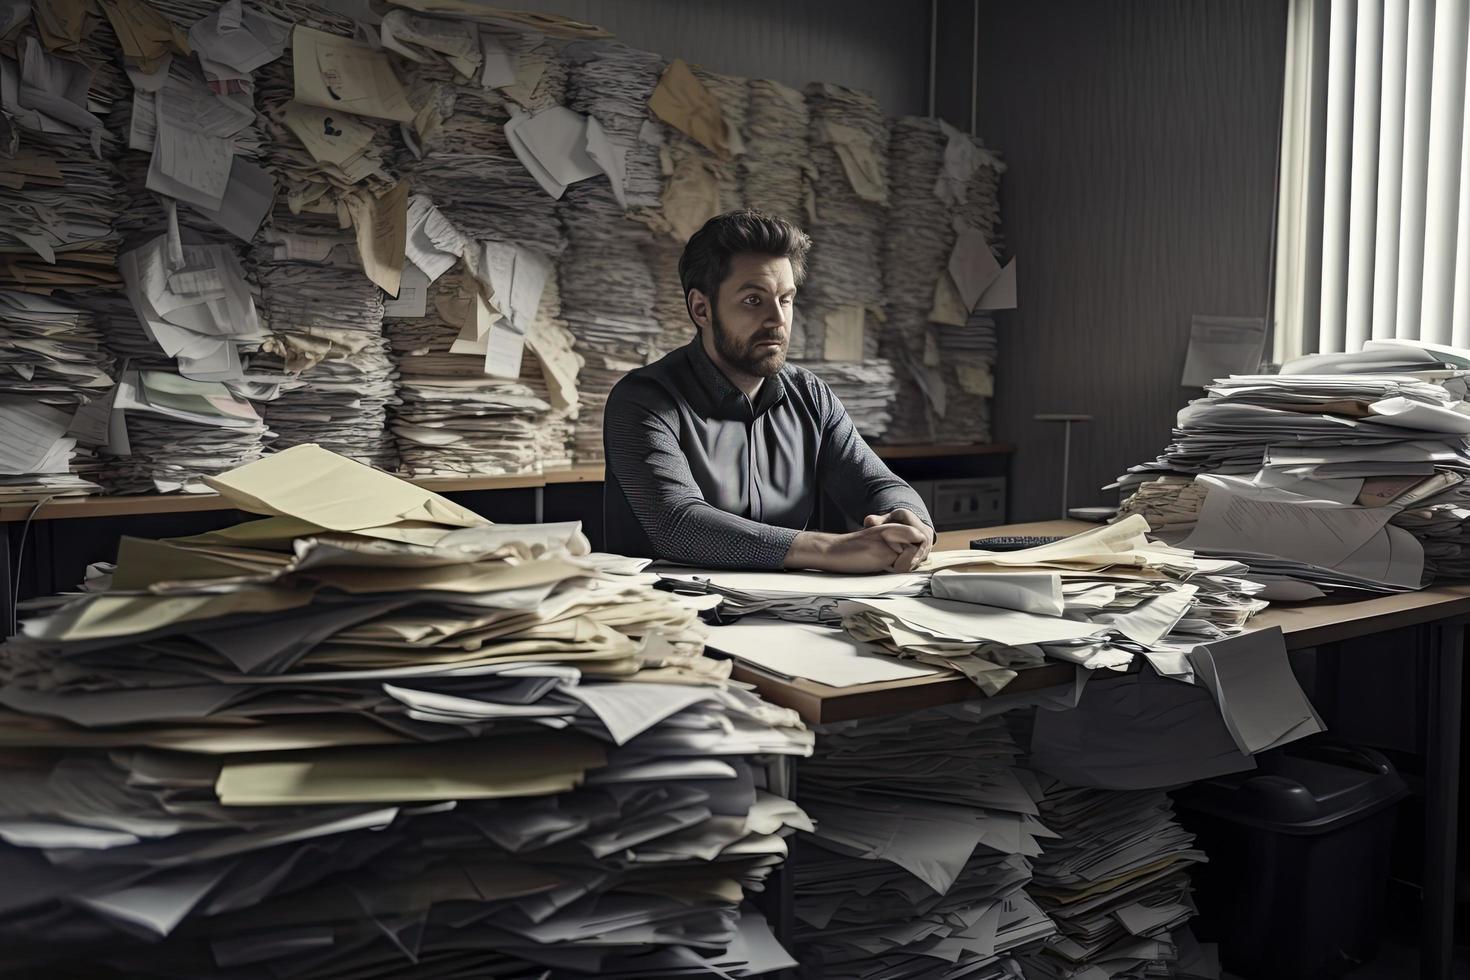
x=1116 y=883
x=867 y=389
x=776 y=169
x=922 y=849
x=454 y=419
x=1321 y=480
x=372 y=733
x=607 y=286
x=842 y=301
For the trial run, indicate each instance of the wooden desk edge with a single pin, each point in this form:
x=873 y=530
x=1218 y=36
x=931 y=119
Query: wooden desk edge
x=822 y=704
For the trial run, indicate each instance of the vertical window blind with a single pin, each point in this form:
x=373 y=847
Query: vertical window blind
x=1373 y=214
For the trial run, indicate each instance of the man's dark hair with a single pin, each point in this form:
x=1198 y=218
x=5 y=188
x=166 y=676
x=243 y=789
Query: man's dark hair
x=706 y=259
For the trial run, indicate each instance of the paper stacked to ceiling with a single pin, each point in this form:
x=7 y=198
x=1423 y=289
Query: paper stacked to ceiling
x=943 y=205
x=607 y=285
x=925 y=836
x=842 y=302
x=776 y=169
x=1323 y=481
x=166 y=433
x=1116 y=883
x=453 y=419
x=52 y=362
x=371 y=730
x=867 y=389
x=326 y=324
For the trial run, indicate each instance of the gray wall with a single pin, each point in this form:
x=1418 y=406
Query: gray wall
x=1141 y=137
x=881 y=46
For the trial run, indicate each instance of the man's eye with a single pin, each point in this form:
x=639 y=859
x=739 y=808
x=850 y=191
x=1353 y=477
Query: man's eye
x=788 y=300
x=752 y=300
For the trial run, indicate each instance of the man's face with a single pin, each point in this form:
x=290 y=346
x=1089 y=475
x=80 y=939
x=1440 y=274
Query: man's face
x=749 y=324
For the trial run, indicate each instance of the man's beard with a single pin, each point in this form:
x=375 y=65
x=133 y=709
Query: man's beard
x=747 y=358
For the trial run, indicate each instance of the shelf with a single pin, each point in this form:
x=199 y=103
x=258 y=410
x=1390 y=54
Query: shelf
x=63 y=508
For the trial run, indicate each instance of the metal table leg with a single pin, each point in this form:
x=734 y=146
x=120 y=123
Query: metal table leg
x=1441 y=798
x=780 y=904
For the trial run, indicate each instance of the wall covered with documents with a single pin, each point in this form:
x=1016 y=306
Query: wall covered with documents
x=432 y=239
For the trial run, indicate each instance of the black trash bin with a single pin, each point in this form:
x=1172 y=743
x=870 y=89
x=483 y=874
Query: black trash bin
x=1299 y=854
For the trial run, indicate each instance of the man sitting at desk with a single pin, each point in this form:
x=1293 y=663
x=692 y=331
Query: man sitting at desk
x=718 y=453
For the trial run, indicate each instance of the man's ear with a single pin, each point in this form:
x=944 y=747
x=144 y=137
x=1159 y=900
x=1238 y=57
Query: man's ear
x=700 y=308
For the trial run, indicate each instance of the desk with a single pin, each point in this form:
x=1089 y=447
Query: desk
x=1437 y=614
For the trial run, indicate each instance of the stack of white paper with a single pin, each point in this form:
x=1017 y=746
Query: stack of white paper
x=925 y=834
x=326 y=323
x=607 y=286
x=371 y=730
x=52 y=362
x=454 y=419
x=168 y=432
x=842 y=301
x=1116 y=884
x=51 y=349
x=1320 y=481
x=867 y=389
x=776 y=169
x=58 y=204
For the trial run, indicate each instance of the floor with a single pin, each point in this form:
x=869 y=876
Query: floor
x=1396 y=961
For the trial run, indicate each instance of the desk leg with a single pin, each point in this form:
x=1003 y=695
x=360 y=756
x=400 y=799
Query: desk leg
x=1441 y=799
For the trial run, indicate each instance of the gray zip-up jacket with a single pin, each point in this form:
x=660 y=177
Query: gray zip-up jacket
x=699 y=474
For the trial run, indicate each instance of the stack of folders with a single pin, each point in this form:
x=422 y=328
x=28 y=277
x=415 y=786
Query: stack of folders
x=608 y=292
x=1116 y=883
x=453 y=419
x=925 y=834
x=371 y=734
x=867 y=389
x=1329 y=476
x=843 y=301
x=776 y=168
